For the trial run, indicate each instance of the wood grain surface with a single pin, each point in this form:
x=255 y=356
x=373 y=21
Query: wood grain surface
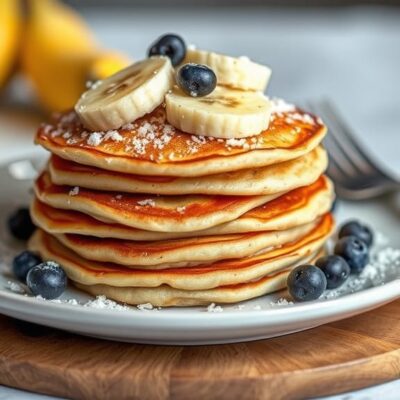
x=334 y=358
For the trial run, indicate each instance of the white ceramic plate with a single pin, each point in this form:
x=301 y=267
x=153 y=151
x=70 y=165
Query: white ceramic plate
x=256 y=319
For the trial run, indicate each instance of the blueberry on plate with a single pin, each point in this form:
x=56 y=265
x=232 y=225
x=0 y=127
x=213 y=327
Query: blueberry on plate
x=357 y=229
x=336 y=270
x=196 y=80
x=20 y=224
x=47 y=280
x=23 y=263
x=354 y=251
x=169 y=45
x=306 y=282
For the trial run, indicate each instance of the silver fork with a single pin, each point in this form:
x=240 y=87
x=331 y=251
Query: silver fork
x=354 y=172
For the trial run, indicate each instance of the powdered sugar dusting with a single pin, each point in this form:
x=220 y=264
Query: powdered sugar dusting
x=153 y=138
x=101 y=302
x=74 y=191
x=145 y=307
x=383 y=266
x=15 y=287
x=281 y=302
x=114 y=136
x=214 y=308
x=94 y=139
x=71 y=302
x=147 y=202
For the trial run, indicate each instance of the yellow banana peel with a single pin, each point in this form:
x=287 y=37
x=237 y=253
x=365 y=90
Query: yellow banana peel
x=10 y=36
x=60 y=54
x=107 y=63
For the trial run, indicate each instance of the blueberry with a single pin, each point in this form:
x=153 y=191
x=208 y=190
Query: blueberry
x=23 y=263
x=20 y=224
x=171 y=46
x=306 y=282
x=356 y=228
x=47 y=280
x=196 y=79
x=336 y=270
x=354 y=251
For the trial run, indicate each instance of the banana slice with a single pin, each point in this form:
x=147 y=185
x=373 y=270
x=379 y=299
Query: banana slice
x=239 y=73
x=224 y=113
x=127 y=95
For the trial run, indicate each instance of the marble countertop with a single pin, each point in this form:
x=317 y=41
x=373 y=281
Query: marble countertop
x=347 y=55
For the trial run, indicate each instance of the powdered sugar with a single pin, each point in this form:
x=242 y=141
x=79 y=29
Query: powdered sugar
x=145 y=307
x=94 y=139
x=237 y=143
x=281 y=302
x=71 y=302
x=114 y=136
x=101 y=302
x=214 y=308
x=74 y=191
x=150 y=136
x=15 y=287
x=147 y=202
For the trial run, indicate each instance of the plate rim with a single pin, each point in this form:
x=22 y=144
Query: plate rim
x=346 y=303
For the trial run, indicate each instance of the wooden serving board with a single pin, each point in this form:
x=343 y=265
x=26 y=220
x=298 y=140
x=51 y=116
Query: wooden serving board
x=334 y=358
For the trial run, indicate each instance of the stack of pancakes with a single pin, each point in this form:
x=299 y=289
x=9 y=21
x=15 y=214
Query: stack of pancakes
x=150 y=214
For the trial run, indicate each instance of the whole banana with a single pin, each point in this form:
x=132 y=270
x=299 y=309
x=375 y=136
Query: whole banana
x=60 y=54
x=10 y=36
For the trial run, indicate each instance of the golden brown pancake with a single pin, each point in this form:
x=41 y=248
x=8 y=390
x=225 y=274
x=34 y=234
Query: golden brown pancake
x=180 y=252
x=166 y=296
x=297 y=207
x=148 y=212
x=150 y=146
x=201 y=277
x=267 y=180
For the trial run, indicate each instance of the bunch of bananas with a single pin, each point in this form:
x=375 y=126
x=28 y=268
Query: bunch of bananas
x=54 y=49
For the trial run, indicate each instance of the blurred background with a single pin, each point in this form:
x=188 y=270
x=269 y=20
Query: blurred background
x=346 y=51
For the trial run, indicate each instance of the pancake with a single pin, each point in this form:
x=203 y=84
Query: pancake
x=179 y=252
x=257 y=181
x=154 y=213
x=201 y=277
x=166 y=296
x=297 y=207
x=150 y=146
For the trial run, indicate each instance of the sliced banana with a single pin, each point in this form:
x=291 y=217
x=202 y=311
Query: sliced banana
x=127 y=95
x=224 y=113
x=240 y=73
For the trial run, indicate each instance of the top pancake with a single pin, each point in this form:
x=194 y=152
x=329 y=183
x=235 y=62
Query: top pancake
x=150 y=146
